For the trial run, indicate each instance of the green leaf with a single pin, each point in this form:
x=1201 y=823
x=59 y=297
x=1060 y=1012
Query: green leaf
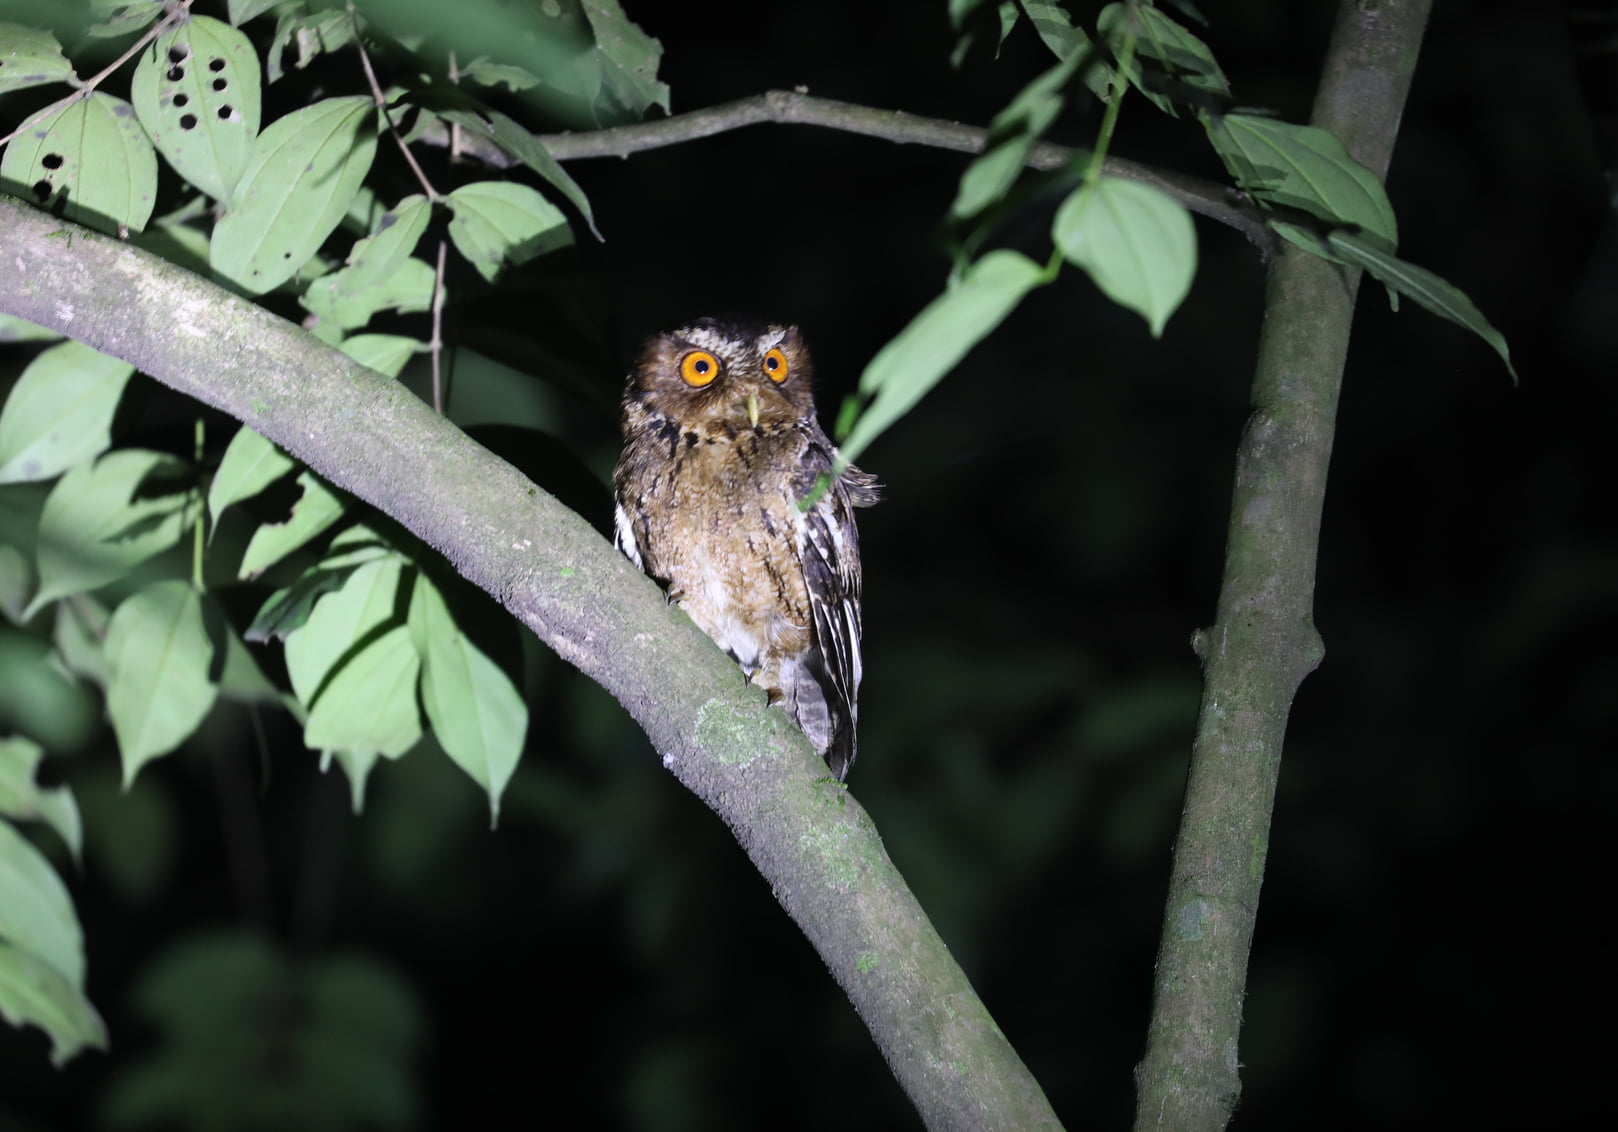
x=512 y=137
x=81 y=626
x=289 y=608
x=477 y=713
x=36 y=913
x=1304 y=168
x=333 y=299
x=486 y=72
x=16 y=583
x=363 y=607
x=91 y=160
x=1431 y=291
x=243 y=10
x=250 y=465
x=370 y=702
x=312 y=33
x=23 y=798
x=1135 y=241
x=60 y=412
x=162 y=679
x=34 y=992
x=1012 y=135
x=936 y=339
x=628 y=59
x=103 y=518
x=197 y=92
x=318 y=508
x=30 y=57
x=121 y=18
x=1162 y=40
x=385 y=353
x=499 y=221
x=14 y=329
x=304 y=171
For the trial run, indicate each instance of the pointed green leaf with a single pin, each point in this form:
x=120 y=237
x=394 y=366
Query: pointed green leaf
x=370 y=701
x=936 y=339
x=317 y=509
x=23 y=798
x=161 y=675
x=1051 y=21
x=357 y=765
x=1136 y=242
x=365 y=605
x=250 y=465
x=34 y=992
x=94 y=155
x=334 y=299
x=14 y=329
x=477 y=713
x=121 y=17
x=103 y=518
x=60 y=412
x=36 y=913
x=385 y=353
x=289 y=608
x=16 y=583
x=197 y=90
x=243 y=10
x=304 y=171
x=1161 y=40
x=512 y=137
x=1305 y=168
x=1431 y=291
x=500 y=221
x=81 y=626
x=1011 y=135
x=30 y=57
x=628 y=59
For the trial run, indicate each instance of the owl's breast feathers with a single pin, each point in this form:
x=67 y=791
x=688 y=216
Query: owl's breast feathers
x=714 y=515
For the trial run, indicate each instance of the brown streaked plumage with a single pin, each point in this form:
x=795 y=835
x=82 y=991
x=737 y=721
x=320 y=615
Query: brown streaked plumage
x=720 y=446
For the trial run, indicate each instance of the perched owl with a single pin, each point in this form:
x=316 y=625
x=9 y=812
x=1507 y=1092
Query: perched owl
x=720 y=446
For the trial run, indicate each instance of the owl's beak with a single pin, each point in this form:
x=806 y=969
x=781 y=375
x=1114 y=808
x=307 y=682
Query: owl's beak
x=752 y=409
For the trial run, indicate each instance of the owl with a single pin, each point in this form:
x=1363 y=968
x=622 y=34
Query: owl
x=721 y=448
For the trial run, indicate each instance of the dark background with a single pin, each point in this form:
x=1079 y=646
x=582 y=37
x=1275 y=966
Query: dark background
x=1429 y=945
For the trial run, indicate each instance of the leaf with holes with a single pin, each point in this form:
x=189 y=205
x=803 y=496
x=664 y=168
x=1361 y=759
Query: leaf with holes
x=498 y=221
x=60 y=412
x=1135 y=241
x=304 y=172
x=30 y=57
x=161 y=675
x=936 y=339
x=103 y=518
x=90 y=159
x=477 y=713
x=197 y=90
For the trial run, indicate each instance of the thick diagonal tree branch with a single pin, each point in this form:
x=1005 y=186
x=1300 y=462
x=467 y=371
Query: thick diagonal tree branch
x=1263 y=641
x=811 y=840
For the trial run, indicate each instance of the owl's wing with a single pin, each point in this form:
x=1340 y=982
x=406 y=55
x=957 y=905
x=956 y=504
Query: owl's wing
x=830 y=553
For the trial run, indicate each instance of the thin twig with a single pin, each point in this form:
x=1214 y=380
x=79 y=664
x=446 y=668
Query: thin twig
x=382 y=104
x=436 y=346
x=1215 y=201
x=89 y=85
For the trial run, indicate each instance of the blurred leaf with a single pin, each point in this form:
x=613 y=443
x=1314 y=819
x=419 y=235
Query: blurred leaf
x=316 y=509
x=14 y=329
x=500 y=221
x=30 y=57
x=132 y=837
x=250 y=464
x=120 y=18
x=103 y=518
x=1431 y=291
x=162 y=679
x=16 y=583
x=36 y=914
x=1135 y=241
x=313 y=33
x=243 y=10
x=39 y=700
x=1304 y=168
x=197 y=91
x=81 y=626
x=936 y=339
x=33 y=991
x=1056 y=29
x=477 y=713
x=1162 y=40
x=304 y=171
x=60 y=411
x=1011 y=135
x=23 y=798
x=91 y=160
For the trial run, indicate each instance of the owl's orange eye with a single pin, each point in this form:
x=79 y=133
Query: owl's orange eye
x=699 y=367
x=775 y=365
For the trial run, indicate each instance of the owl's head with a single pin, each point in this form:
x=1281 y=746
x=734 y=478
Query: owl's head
x=717 y=377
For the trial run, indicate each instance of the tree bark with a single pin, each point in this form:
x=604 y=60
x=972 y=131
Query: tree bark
x=1263 y=641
